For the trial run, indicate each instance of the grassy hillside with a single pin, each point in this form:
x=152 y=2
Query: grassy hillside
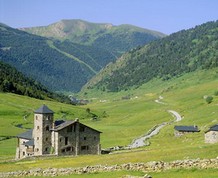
x=172 y=56
x=115 y=39
x=123 y=120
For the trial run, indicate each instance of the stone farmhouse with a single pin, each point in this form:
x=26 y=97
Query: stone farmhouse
x=49 y=137
x=211 y=136
x=181 y=130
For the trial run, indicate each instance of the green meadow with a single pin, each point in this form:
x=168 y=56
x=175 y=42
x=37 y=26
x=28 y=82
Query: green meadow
x=121 y=121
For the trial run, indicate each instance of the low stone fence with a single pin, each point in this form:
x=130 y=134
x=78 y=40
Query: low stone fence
x=152 y=166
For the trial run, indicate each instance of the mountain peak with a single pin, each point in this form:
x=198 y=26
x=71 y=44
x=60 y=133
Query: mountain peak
x=77 y=30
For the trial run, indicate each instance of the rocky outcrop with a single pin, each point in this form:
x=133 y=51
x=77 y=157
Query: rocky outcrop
x=152 y=166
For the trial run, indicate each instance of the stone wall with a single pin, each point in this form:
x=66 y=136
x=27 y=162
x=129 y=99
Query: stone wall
x=21 y=149
x=152 y=166
x=89 y=141
x=63 y=146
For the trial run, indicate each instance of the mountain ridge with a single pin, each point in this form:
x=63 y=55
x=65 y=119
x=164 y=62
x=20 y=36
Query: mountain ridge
x=81 y=26
x=115 y=39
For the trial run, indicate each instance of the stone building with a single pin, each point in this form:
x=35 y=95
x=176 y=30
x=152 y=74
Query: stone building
x=49 y=137
x=211 y=136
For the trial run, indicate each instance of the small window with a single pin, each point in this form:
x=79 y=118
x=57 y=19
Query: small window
x=37 y=149
x=63 y=150
x=66 y=140
x=37 y=138
x=36 y=117
x=94 y=137
x=46 y=149
x=46 y=139
x=60 y=139
x=48 y=118
x=47 y=128
x=84 y=147
x=37 y=127
x=68 y=149
x=84 y=138
x=23 y=153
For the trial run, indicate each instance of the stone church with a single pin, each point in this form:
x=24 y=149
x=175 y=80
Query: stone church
x=49 y=137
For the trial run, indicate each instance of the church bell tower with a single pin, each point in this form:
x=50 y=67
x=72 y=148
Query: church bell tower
x=43 y=122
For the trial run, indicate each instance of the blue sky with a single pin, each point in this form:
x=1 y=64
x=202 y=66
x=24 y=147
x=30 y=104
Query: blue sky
x=166 y=16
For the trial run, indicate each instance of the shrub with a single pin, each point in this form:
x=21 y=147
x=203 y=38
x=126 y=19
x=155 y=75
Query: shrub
x=209 y=99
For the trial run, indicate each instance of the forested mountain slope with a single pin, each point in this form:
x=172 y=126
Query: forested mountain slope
x=41 y=59
x=63 y=65
x=115 y=39
x=179 y=53
x=13 y=81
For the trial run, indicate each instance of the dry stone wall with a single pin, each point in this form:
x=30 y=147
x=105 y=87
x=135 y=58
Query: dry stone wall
x=152 y=166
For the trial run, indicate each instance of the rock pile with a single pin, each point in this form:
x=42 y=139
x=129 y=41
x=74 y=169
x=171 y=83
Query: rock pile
x=152 y=166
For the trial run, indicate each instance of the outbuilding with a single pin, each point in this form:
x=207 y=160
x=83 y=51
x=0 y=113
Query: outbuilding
x=181 y=130
x=211 y=135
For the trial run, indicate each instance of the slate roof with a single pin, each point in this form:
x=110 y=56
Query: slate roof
x=63 y=125
x=29 y=143
x=44 y=110
x=60 y=124
x=187 y=128
x=26 y=135
x=213 y=128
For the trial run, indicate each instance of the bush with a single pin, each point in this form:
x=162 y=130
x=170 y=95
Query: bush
x=209 y=99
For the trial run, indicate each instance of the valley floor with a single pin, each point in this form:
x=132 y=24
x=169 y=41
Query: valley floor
x=121 y=121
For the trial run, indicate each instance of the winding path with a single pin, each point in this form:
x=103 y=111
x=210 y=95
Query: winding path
x=139 y=142
x=176 y=115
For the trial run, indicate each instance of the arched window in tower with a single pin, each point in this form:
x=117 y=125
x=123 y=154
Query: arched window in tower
x=36 y=117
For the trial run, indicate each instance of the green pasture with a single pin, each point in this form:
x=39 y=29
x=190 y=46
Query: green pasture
x=121 y=121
